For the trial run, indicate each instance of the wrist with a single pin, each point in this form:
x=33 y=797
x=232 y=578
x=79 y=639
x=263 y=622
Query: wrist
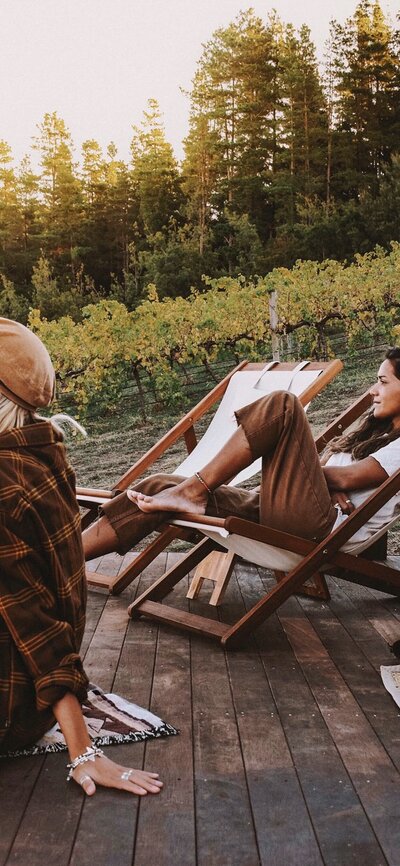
x=88 y=755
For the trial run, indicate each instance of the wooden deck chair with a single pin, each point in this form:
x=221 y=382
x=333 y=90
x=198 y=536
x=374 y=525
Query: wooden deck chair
x=296 y=557
x=245 y=384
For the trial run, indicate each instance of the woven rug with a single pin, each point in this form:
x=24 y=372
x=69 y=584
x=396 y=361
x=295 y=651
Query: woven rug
x=109 y=719
x=391 y=680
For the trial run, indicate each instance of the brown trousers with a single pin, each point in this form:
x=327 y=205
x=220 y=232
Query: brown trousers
x=293 y=495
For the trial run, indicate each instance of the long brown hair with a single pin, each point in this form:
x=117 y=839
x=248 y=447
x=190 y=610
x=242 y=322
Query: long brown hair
x=372 y=433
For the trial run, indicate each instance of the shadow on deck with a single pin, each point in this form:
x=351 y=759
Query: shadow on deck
x=288 y=753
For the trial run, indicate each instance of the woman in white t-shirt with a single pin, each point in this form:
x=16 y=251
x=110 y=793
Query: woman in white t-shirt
x=388 y=457
x=299 y=493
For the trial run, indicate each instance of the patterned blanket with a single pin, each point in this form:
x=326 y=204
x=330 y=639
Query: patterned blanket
x=109 y=719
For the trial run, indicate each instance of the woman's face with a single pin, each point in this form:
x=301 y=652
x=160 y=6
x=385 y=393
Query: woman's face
x=386 y=394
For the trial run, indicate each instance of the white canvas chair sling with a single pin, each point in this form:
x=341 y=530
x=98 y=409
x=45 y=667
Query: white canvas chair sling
x=245 y=387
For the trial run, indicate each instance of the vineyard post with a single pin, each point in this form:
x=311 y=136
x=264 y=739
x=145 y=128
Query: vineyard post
x=142 y=402
x=273 y=322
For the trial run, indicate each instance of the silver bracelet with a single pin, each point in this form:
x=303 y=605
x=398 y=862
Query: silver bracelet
x=89 y=755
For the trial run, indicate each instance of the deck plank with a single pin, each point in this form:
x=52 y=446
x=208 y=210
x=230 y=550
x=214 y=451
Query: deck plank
x=357 y=662
x=18 y=778
x=343 y=832
x=166 y=828
x=376 y=608
x=225 y=832
x=277 y=799
x=222 y=795
x=373 y=775
x=107 y=829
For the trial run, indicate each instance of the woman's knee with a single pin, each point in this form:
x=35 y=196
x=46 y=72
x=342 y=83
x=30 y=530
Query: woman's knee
x=282 y=400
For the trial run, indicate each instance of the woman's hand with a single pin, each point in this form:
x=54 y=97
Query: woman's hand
x=341 y=499
x=101 y=770
x=104 y=772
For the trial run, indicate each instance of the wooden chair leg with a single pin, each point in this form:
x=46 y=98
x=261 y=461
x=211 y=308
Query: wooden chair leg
x=315 y=587
x=116 y=585
x=217 y=566
x=161 y=587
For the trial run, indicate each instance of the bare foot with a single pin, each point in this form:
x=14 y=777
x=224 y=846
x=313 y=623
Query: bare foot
x=188 y=496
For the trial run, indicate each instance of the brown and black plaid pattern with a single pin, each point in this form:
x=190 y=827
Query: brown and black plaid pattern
x=42 y=583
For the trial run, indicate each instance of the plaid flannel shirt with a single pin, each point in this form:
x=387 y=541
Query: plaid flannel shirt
x=42 y=582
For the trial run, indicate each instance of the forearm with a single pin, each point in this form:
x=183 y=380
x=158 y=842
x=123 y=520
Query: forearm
x=360 y=475
x=68 y=713
x=335 y=478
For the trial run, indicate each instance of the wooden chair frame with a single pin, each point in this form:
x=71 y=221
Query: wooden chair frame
x=325 y=557
x=92 y=498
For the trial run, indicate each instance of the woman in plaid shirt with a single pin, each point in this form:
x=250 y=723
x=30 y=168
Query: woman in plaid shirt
x=42 y=577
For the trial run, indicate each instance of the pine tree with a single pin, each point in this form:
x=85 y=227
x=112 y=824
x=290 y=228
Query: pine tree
x=122 y=211
x=10 y=215
x=199 y=168
x=29 y=204
x=366 y=64
x=155 y=173
x=60 y=190
x=304 y=129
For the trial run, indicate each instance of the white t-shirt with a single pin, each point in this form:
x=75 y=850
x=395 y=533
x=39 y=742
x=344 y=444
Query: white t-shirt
x=389 y=458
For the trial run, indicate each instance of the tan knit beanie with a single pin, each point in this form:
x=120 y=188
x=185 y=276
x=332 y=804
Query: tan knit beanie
x=26 y=373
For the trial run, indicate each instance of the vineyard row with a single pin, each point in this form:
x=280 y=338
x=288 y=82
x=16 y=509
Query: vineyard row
x=161 y=340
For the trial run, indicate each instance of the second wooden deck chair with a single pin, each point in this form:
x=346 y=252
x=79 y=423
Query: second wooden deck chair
x=295 y=559
x=245 y=384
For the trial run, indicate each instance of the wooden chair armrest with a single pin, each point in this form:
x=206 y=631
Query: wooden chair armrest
x=90 y=491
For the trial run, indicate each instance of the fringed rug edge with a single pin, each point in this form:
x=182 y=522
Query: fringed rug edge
x=164 y=730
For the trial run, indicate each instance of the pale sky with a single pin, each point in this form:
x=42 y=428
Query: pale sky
x=97 y=62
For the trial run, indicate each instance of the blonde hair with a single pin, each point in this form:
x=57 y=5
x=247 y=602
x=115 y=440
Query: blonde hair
x=12 y=415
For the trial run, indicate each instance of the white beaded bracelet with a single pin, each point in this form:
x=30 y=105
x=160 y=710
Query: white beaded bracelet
x=89 y=755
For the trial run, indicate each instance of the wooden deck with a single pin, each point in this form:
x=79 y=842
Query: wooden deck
x=288 y=753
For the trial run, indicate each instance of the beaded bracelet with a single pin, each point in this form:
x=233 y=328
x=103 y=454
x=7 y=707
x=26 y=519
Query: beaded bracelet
x=89 y=755
x=201 y=479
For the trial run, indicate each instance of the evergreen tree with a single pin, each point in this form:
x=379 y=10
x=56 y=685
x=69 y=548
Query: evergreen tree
x=29 y=204
x=199 y=169
x=304 y=130
x=61 y=192
x=366 y=63
x=10 y=216
x=229 y=145
x=121 y=211
x=155 y=173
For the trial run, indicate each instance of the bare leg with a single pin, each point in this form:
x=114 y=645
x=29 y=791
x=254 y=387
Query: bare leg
x=191 y=495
